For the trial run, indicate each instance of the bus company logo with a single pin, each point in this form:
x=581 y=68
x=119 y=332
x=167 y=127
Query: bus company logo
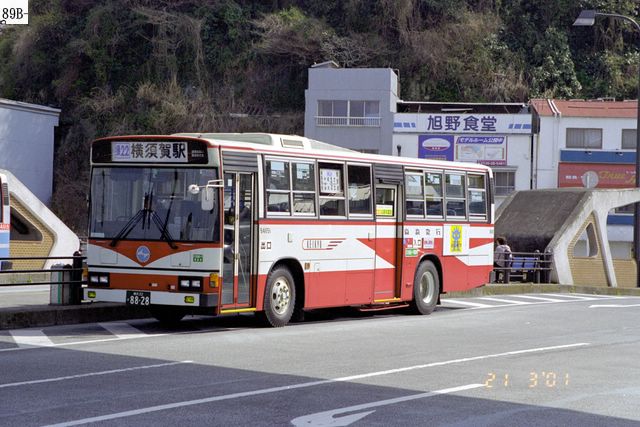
x=4 y=226
x=143 y=254
x=456 y=239
x=321 y=244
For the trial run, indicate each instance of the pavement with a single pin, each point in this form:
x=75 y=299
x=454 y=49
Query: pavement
x=28 y=306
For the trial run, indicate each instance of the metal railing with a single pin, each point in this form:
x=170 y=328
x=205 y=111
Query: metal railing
x=348 y=121
x=534 y=267
x=10 y=276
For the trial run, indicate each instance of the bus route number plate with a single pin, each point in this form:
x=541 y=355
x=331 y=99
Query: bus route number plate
x=139 y=298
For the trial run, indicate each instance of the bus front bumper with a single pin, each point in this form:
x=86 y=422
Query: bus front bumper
x=183 y=299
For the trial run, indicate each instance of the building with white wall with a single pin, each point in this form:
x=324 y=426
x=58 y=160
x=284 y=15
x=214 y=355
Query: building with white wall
x=590 y=144
x=27 y=144
x=360 y=109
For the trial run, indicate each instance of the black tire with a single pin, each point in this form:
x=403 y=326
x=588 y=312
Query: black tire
x=426 y=288
x=279 y=297
x=167 y=315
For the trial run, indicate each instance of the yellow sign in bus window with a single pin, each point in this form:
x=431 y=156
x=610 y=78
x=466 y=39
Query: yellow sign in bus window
x=384 y=210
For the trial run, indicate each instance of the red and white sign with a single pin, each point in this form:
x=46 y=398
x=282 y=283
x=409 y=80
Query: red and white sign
x=596 y=175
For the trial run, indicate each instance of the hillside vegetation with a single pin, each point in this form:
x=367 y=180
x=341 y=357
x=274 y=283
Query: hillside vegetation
x=144 y=66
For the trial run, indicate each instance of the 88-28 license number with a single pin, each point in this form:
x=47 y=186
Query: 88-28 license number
x=140 y=298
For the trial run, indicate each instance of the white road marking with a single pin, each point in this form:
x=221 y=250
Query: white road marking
x=583 y=297
x=31 y=338
x=123 y=330
x=508 y=301
x=327 y=418
x=92 y=374
x=538 y=298
x=66 y=344
x=613 y=305
x=464 y=302
x=290 y=387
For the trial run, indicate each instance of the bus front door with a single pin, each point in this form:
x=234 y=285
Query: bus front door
x=238 y=240
x=386 y=243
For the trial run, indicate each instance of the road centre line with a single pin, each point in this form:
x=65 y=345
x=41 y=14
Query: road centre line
x=211 y=399
x=93 y=374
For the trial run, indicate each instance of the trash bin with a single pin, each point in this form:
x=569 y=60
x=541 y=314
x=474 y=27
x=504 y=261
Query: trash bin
x=62 y=291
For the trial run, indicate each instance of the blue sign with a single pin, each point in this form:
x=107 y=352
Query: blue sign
x=438 y=147
x=480 y=139
x=143 y=254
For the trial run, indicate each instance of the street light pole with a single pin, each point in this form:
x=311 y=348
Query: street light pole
x=588 y=18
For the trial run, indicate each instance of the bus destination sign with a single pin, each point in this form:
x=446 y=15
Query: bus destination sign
x=150 y=152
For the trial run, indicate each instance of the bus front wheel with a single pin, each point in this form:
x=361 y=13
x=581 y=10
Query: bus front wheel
x=279 y=297
x=426 y=288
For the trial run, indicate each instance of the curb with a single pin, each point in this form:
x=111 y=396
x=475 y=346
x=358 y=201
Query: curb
x=526 y=288
x=51 y=315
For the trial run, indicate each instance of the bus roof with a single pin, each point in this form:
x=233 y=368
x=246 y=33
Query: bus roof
x=293 y=145
x=290 y=144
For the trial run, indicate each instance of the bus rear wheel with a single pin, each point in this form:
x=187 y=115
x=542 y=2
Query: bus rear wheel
x=167 y=315
x=426 y=288
x=279 y=297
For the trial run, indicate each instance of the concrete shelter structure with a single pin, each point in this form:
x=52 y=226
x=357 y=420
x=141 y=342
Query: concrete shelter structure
x=27 y=144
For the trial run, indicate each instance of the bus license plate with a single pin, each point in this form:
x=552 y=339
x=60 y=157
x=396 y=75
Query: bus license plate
x=138 y=298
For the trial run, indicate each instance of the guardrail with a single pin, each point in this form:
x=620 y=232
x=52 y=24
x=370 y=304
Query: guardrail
x=526 y=267
x=73 y=266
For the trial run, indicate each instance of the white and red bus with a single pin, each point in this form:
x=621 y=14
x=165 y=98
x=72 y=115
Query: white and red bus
x=5 y=220
x=274 y=224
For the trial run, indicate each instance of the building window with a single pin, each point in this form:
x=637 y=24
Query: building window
x=584 y=138
x=348 y=113
x=628 y=139
x=505 y=182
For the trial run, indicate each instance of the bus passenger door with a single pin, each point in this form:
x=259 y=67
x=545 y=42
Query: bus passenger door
x=386 y=243
x=238 y=239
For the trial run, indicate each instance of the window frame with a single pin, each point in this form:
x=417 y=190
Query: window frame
x=484 y=190
x=496 y=171
x=583 y=139
x=422 y=198
x=290 y=192
x=442 y=197
x=447 y=198
x=344 y=189
x=368 y=215
x=633 y=140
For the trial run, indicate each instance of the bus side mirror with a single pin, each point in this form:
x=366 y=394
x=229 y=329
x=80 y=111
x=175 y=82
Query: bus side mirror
x=206 y=199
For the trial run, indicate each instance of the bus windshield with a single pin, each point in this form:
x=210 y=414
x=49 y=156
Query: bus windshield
x=141 y=203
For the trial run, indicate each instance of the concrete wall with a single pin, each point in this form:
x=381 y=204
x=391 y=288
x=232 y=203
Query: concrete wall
x=357 y=84
x=57 y=238
x=552 y=139
x=27 y=129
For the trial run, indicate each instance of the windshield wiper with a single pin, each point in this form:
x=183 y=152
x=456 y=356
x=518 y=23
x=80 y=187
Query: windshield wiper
x=146 y=215
x=141 y=215
x=163 y=226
